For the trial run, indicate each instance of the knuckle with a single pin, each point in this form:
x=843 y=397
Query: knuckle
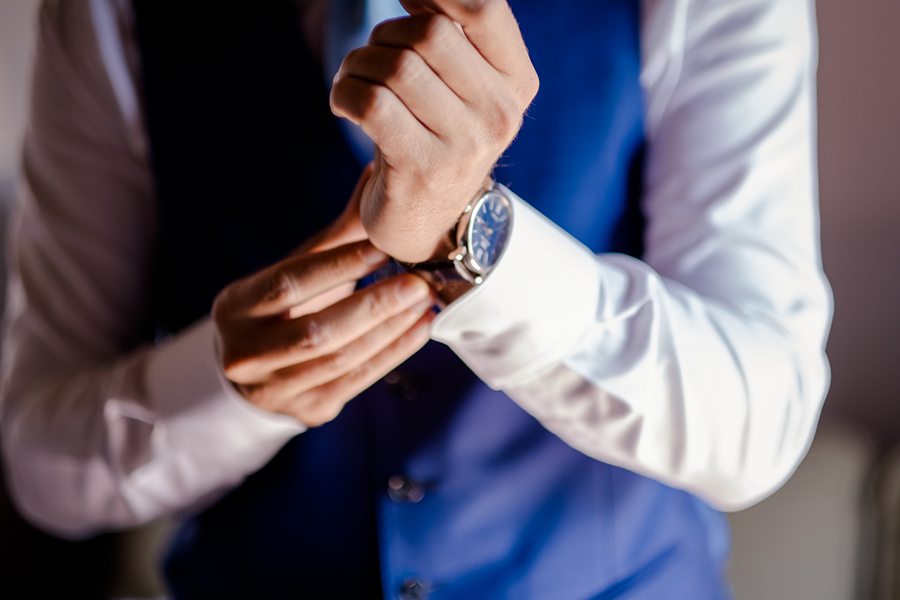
x=379 y=31
x=435 y=29
x=308 y=336
x=364 y=372
x=411 y=285
x=310 y=421
x=375 y=103
x=336 y=362
x=310 y=417
x=336 y=97
x=231 y=300
x=355 y=259
x=532 y=85
x=354 y=56
x=230 y=370
x=331 y=409
x=278 y=286
x=408 y=65
x=476 y=7
x=322 y=411
x=470 y=142
x=504 y=120
x=349 y=263
x=233 y=364
x=377 y=302
x=256 y=394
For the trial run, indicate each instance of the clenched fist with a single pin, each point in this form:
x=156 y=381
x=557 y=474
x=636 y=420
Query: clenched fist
x=441 y=93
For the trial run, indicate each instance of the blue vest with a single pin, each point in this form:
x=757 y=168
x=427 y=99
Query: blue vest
x=429 y=484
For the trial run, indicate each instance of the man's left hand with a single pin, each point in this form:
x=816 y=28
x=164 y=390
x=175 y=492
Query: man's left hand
x=442 y=93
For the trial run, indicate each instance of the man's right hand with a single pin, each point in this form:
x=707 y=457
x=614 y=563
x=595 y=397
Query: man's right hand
x=310 y=363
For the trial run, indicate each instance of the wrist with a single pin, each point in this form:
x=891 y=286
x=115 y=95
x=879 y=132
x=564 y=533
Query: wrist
x=449 y=239
x=473 y=246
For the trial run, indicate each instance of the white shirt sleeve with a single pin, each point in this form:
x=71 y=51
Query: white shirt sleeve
x=703 y=365
x=100 y=430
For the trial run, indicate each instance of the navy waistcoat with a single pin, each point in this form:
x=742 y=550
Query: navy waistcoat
x=248 y=162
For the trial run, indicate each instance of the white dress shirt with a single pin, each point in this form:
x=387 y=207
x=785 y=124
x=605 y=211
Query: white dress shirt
x=701 y=365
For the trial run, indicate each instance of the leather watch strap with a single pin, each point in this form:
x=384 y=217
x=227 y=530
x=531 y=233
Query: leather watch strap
x=446 y=288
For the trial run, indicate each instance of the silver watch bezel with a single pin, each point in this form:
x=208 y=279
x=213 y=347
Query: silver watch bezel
x=462 y=257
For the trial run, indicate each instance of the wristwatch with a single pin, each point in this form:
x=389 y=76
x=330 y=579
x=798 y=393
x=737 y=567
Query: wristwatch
x=475 y=244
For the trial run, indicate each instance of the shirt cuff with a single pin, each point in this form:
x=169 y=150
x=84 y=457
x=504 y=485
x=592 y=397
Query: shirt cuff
x=531 y=311
x=200 y=412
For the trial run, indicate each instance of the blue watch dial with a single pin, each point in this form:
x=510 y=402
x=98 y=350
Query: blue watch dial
x=489 y=230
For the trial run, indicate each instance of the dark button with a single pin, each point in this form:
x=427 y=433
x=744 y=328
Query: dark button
x=402 y=489
x=402 y=385
x=413 y=589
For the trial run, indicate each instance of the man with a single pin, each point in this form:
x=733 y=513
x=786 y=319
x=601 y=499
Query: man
x=177 y=155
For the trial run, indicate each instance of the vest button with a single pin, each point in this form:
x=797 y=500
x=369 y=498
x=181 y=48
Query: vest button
x=402 y=489
x=402 y=385
x=413 y=589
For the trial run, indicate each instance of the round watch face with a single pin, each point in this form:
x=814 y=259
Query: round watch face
x=489 y=229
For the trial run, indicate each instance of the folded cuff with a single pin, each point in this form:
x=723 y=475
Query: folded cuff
x=531 y=310
x=200 y=411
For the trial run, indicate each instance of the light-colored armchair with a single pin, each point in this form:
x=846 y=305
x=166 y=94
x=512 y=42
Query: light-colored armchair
x=811 y=540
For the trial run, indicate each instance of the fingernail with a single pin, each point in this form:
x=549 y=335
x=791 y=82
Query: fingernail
x=373 y=256
x=412 y=289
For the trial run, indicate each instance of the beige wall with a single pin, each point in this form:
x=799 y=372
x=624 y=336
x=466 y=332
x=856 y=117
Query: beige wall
x=16 y=38
x=859 y=170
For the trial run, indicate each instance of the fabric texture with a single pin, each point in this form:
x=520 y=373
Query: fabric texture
x=679 y=366
x=505 y=503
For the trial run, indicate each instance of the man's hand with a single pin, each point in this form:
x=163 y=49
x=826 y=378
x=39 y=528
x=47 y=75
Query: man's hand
x=441 y=93
x=295 y=338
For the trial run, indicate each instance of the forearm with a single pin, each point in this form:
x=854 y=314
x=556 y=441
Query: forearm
x=117 y=443
x=686 y=390
x=97 y=430
x=720 y=398
x=702 y=366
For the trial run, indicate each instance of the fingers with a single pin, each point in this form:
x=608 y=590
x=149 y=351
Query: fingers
x=412 y=80
x=446 y=50
x=288 y=383
x=324 y=403
x=489 y=25
x=498 y=101
x=381 y=115
x=421 y=80
x=295 y=280
x=283 y=343
x=322 y=301
x=283 y=356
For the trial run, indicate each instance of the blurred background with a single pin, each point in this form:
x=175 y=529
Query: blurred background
x=833 y=532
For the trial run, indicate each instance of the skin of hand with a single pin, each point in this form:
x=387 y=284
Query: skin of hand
x=442 y=93
x=295 y=338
